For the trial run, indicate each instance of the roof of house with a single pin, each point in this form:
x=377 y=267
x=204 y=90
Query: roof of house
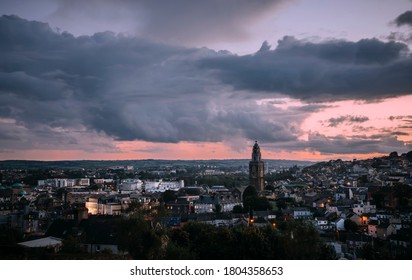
x=60 y=228
x=207 y=199
x=42 y=242
x=100 y=229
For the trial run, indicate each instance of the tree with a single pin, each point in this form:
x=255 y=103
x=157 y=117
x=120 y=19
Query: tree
x=251 y=200
x=134 y=207
x=138 y=237
x=250 y=191
x=281 y=203
x=409 y=155
x=262 y=204
x=168 y=196
x=237 y=209
x=73 y=246
x=403 y=193
x=378 y=198
x=393 y=154
x=302 y=241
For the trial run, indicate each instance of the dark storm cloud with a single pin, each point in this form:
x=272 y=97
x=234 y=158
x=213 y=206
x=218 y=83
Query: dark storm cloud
x=334 y=122
x=178 y=21
x=62 y=91
x=334 y=70
x=404 y=19
x=123 y=87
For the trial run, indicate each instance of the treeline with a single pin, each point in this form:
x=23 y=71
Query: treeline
x=291 y=240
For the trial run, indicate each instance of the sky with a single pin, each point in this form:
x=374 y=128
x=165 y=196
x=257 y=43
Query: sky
x=191 y=79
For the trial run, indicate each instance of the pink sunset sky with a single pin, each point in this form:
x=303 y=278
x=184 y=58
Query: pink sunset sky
x=309 y=80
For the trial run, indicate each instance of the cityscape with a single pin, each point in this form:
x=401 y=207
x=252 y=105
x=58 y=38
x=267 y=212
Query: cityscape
x=206 y=130
x=359 y=209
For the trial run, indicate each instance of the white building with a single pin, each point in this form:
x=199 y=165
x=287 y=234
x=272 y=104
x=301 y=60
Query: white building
x=102 y=181
x=84 y=182
x=131 y=185
x=364 y=208
x=162 y=186
x=64 y=182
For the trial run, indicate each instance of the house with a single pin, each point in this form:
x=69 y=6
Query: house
x=332 y=208
x=180 y=206
x=384 y=230
x=100 y=233
x=362 y=208
x=50 y=243
x=383 y=216
x=355 y=218
x=228 y=201
x=206 y=204
x=357 y=240
x=321 y=203
x=372 y=228
x=300 y=213
x=381 y=230
x=340 y=194
x=323 y=224
x=222 y=202
x=297 y=213
x=338 y=223
x=107 y=205
x=401 y=240
x=396 y=222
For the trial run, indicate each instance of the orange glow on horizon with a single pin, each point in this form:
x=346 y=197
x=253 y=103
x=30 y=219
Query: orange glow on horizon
x=136 y=150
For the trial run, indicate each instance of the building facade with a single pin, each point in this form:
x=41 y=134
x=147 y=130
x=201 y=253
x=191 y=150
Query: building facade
x=257 y=170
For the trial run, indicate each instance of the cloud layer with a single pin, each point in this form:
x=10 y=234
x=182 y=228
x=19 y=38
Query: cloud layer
x=124 y=87
x=61 y=91
x=178 y=21
x=317 y=72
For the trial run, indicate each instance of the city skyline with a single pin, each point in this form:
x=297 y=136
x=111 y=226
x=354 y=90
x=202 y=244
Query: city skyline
x=114 y=80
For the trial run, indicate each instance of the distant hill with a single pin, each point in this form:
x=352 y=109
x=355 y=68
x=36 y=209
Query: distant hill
x=149 y=163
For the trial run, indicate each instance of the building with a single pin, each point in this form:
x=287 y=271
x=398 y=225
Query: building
x=107 y=205
x=130 y=185
x=257 y=170
x=162 y=186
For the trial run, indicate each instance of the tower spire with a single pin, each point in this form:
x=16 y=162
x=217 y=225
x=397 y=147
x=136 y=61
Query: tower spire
x=256 y=170
x=256 y=156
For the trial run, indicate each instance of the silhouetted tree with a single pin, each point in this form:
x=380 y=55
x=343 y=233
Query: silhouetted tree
x=237 y=209
x=168 y=196
x=140 y=238
x=409 y=155
x=393 y=154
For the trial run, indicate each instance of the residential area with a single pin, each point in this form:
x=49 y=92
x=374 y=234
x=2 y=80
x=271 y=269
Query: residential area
x=358 y=209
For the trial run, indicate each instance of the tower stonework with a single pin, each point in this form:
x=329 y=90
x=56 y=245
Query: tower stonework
x=257 y=170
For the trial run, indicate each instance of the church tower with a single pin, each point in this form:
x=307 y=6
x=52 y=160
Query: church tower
x=257 y=170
